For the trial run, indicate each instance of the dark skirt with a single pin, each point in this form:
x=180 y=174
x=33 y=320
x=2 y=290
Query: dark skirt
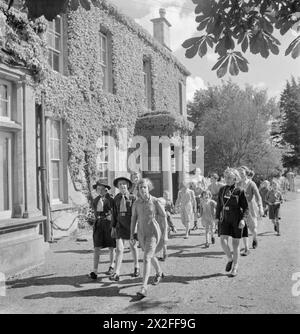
x=274 y=211
x=102 y=234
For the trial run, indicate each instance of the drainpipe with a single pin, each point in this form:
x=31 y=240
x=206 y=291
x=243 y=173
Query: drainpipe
x=43 y=169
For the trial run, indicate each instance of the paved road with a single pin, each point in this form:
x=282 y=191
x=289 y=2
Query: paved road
x=195 y=282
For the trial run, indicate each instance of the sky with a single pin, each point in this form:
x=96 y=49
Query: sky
x=270 y=74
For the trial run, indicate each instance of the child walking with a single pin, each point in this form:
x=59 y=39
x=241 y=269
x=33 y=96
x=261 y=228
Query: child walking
x=263 y=190
x=187 y=206
x=274 y=199
x=207 y=215
x=169 y=209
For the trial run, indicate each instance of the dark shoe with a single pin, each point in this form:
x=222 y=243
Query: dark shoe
x=254 y=244
x=92 y=275
x=110 y=271
x=206 y=245
x=136 y=272
x=216 y=231
x=228 y=266
x=245 y=253
x=114 y=277
x=163 y=258
x=143 y=293
x=158 y=278
x=213 y=240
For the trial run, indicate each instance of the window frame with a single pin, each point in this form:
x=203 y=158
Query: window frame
x=51 y=49
x=180 y=94
x=105 y=136
x=148 y=80
x=6 y=214
x=9 y=104
x=60 y=199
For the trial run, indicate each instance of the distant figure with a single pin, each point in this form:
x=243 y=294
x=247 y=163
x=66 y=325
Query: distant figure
x=214 y=186
x=291 y=179
x=263 y=190
x=274 y=199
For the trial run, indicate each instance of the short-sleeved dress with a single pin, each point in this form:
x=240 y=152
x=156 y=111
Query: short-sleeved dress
x=274 y=199
x=207 y=213
x=102 y=226
x=151 y=225
x=254 y=201
x=186 y=202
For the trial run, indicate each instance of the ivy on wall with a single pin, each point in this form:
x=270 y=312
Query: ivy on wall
x=78 y=98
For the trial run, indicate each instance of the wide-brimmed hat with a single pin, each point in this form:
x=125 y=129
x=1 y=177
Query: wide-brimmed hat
x=99 y=183
x=115 y=183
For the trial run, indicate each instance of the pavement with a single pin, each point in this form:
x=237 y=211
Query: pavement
x=268 y=280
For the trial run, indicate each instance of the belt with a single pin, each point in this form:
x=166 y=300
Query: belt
x=226 y=208
x=123 y=214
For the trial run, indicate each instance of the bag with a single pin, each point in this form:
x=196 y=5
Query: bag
x=113 y=233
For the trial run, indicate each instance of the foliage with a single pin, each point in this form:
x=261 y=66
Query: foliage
x=287 y=132
x=234 y=123
x=248 y=23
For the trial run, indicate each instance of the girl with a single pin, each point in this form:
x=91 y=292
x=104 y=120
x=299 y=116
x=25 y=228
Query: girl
x=151 y=220
x=121 y=220
x=274 y=199
x=231 y=209
x=186 y=205
x=102 y=206
x=207 y=214
x=263 y=190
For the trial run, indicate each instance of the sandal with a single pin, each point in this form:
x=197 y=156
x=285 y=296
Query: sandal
x=233 y=271
x=114 y=277
x=157 y=278
x=136 y=272
x=110 y=271
x=142 y=293
x=93 y=275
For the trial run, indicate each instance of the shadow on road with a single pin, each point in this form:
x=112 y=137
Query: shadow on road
x=198 y=254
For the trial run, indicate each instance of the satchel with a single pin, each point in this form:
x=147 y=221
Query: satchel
x=113 y=233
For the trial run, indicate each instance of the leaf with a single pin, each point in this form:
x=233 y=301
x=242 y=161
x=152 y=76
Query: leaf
x=223 y=68
x=296 y=51
x=218 y=63
x=229 y=43
x=191 y=41
x=245 y=44
x=203 y=24
x=285 y=27
x=291 y=46
x=192 y=51
x=242 y=64
x=233 y=68
x=11 y=2
x=85 y=4
x=202 y=49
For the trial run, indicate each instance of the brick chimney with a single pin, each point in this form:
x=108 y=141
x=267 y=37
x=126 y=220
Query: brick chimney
x=161 y=29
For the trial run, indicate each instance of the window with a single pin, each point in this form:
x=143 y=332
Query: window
x=5 y=98
x=147 y=83
x=55 y=161
x=54 y=37
x=5 y=175
x=180 y=97
x=104 y=59
x=103 y=157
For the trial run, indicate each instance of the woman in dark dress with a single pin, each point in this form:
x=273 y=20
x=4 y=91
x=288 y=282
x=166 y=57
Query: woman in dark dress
x=102 y=206
x=231 y=209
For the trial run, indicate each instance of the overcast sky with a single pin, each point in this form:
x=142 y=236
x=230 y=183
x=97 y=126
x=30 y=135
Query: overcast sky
x=270 y=73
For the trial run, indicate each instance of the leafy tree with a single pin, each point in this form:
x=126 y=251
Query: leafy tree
x=234 y=125
x=288 y=125
x=248 y=23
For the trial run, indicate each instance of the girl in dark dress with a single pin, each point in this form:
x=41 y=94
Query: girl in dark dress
x=231 y=209
x=102 y=206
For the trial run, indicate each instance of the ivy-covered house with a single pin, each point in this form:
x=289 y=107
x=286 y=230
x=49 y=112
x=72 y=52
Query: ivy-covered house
x=66 y=88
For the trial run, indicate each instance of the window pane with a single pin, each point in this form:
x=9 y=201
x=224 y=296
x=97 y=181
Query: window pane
x=55 y=149
x=4 y=174
x=51 y=25
x=104 y=78
x=55 y=169
x=50 y=61
x=3 y=92
x=56 y=62
x=57 y=43
x=55 y=129
x=55 y=189
x=3 y=108
x=57 y=25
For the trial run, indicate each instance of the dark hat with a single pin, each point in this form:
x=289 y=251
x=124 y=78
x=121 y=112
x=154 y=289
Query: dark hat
x=99 y=183
x=115 y=183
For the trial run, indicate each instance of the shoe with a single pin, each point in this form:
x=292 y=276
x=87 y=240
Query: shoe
x=114 y=277
x=186 y=237
x=275 y=228
x=92 y=275
x=216 y=231
x=278 y=234
x=110 y=271
x=157 y=278
x=254 y=244
x=213 y=240
x=228 y=266
x=206 y=245
x=142 y=293
x=233 y=271
x=163 y=258
x=136 y=272
x=245 y=253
